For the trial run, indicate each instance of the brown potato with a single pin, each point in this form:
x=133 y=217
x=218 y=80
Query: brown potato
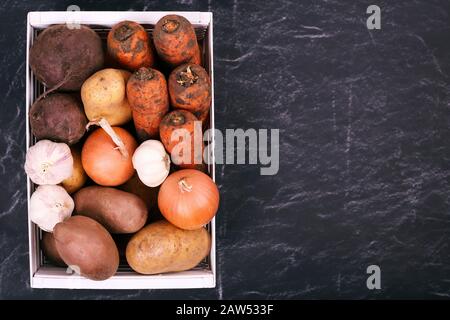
x=87 y=247
x=118 y=211
x=49 y=248
x=161 y=247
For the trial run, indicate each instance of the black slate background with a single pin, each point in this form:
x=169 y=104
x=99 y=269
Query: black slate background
x=364 y=149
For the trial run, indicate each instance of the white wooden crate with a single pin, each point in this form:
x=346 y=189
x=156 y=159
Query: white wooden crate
x=43 y=275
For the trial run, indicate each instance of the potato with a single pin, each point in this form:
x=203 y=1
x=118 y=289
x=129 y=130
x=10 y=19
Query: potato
x=48 y=245
x=87 y=247
x=78 y=177
x=118 y=211
x=161 y=247
x=66 y=57
x=104 y=96
x=58 y=117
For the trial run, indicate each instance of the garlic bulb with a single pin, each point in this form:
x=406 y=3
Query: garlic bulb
x=49 y=162
x=49 y=205
x=151 y=162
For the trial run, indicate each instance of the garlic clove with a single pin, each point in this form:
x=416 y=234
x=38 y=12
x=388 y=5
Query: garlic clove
x=49 y=162
x=49 y=205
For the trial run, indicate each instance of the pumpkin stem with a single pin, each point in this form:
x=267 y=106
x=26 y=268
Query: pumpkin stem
x=184 y=186
x=104 y=124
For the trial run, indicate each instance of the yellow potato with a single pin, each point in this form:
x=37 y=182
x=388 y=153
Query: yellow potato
x=161 y=247
x=78 y=177
x=104 y=96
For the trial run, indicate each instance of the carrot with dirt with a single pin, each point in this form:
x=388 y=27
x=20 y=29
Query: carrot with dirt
x=149 y=101
x=190 y=89
x=181 y=132
x=129 y=45
x=204 y=118
x=175 y=40
x=197 y=57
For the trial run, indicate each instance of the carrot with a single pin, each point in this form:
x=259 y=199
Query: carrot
x=128 y=44
x=190 y=89
x=182 y=120
x=149 y=101
x=204 y=118
x=175 y=40
x=197 y=57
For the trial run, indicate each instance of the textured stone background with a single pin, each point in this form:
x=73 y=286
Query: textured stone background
x=364 y=150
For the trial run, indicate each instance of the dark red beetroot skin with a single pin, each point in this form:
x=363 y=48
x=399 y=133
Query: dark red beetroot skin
x=60 y=54
x=58 y=117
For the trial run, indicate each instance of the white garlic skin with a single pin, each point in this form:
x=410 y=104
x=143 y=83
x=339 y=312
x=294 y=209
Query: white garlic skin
x=49 y=162
x=50 y=205
x=151 y=162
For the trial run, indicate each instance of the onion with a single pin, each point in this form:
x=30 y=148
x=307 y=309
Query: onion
x=106 y=155
x=188 y=199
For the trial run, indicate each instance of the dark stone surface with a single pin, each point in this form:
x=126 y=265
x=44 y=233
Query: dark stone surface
x=364 y=149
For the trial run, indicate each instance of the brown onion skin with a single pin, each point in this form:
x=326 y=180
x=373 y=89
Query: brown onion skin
x=188 y=210
x=103 y=162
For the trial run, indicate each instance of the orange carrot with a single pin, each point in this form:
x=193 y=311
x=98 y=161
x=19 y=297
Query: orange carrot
x=204 y=118
x=197 y=57
x=182 y=120
x=128 y=44
x=190 y=89
x=149 y=101
x=175 y=40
